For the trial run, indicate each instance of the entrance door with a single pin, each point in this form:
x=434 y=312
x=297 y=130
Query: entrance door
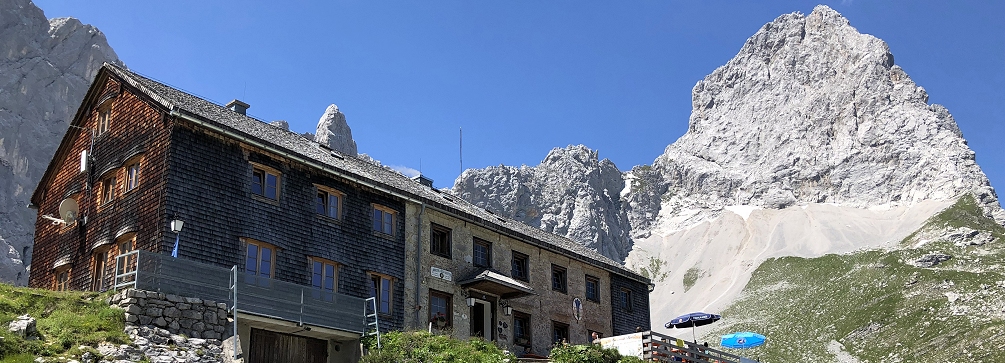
x=272 y=347
x=481 y=319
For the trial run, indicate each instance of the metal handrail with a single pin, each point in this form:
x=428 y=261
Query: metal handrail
x=663 y=348
x=260 y=296
x=132 y=256
x=233 y=307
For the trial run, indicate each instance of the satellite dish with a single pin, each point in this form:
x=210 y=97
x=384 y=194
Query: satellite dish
x=68 y=210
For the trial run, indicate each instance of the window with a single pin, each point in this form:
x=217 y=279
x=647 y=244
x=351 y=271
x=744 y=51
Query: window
x=625 y=299
x=440 y=306
x=328 y=202
x=104 y=119
x=383 y=219
x=521 y=329
x=100 y=258
x=126 y=264
x=324 y=278
x=380 y=288
x=592 y=288
x=559 y=332
x=558 y=278
x=439 y=242
x=481 y=253
x=132 y=176
x=62 y=282
x=265 y=182
x=107 y=190
x=519 y=266
x=259 y=258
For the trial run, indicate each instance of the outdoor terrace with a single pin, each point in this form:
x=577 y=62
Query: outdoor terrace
x=262 y=297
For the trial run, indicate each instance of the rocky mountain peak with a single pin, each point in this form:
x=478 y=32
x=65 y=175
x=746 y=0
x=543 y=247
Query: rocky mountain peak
x=811 y=111
x=335 y=132
x=571 y=193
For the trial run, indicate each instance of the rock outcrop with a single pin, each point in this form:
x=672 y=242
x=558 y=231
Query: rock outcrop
x=334 y=132
x=571 y=193
x=45 y=69
x=811 y=111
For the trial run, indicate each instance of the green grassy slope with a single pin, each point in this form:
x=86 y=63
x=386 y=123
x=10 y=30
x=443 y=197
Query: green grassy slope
x=877 y=307
x=65 y=321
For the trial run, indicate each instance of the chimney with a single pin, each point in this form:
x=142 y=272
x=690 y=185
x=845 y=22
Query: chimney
x=422 y=179
x=238 y=106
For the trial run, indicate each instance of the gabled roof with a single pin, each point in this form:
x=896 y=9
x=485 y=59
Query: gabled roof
x=294 y=145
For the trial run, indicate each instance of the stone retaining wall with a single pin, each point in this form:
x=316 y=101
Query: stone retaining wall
x=193 y=317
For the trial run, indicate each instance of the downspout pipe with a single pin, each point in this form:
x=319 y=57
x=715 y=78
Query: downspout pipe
x=418 y=264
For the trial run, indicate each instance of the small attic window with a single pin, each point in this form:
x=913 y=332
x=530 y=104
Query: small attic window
x=104 y=119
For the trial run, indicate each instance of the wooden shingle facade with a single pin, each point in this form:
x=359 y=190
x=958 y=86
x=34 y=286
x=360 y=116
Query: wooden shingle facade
x=285 y=208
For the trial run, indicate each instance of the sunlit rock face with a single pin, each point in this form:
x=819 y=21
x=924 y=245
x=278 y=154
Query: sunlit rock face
x=810 y=111
x=335 y=132
x=46 y=66
x=571 y=193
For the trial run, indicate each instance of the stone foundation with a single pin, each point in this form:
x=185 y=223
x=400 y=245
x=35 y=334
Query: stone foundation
x=192 y=317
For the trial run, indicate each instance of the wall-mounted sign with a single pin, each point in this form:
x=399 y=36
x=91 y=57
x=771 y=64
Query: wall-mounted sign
x=577 y=308
x=441 y=273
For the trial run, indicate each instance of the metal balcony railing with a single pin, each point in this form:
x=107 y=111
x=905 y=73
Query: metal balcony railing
x=254 y=295
x=665 y=348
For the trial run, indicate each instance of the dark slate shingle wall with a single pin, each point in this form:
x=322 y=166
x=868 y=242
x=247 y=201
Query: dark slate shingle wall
x=209 y=186
x=625 y=322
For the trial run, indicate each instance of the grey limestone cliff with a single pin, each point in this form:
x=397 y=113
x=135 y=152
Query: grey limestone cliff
x=46 y=66
x=811 y=111
x=571 y=193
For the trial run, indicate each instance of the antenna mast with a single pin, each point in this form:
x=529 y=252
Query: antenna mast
x=460 y=144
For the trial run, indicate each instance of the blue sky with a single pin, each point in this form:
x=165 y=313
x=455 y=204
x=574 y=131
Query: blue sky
x=521 y=77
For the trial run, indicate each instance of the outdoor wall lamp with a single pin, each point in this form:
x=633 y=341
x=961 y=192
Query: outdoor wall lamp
x=470 y=301
x=176 y=225
x=507 y=310
x=652 y=287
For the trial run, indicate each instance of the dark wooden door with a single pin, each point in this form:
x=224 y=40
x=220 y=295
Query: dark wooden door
x=478 y=320
x=273 y=347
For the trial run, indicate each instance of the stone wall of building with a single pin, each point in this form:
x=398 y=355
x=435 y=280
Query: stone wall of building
x=192 y=317
x=546 y=307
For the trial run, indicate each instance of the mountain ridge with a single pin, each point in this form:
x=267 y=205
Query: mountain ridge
x=808 y=111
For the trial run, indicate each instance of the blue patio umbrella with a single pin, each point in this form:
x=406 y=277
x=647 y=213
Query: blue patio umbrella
x=692 y=320
x=743 y=340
